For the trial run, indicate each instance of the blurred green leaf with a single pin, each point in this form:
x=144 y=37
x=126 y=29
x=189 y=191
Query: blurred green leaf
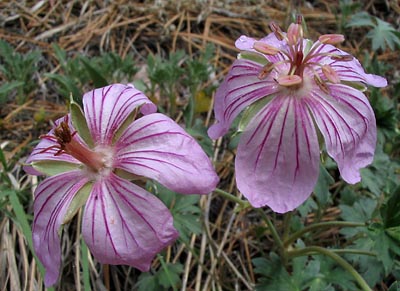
x=67 y=86
x=7 y=88
x=381 y=33
x=94 y=73
x=163 y=279
x=321 y=189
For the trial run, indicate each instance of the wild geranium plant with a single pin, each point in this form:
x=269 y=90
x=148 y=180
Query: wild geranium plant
x=91 y=156
x=289 y=84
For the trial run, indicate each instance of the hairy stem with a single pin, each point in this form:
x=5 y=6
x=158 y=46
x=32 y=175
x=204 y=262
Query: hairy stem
x=320 y=225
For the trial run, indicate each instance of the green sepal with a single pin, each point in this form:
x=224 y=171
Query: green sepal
x=253 y=56
x=131 y=117
x=251 y=111
x=77 y=202
x=356 y=85
x=80 y=124
x=51 y=168
x=126 y=175
x=307 y=48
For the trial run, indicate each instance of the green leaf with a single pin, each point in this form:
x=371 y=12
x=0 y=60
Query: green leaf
x=94 y=73
x=147 y=282
x=360 y=19
x=67 y=84
x=380 y=174
x=184 y=209
x=170 y=275
x=321 y=189
x=80 y=124
x=6 y=89
x=26 y=229
x=52 y=168
x=394 y=287
x=165 y=278
x=382 y=34
x=390 y=211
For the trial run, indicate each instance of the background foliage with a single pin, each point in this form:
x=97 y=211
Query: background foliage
x=177 y=52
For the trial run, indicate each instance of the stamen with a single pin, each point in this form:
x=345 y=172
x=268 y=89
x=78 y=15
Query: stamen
x=294 y=34
x=330 y=74
x=66 y=144
x=342 y=58
x=299 y=19
x=264 y=48
x=333 y=39
x=265 y=71
x=277 y=30
x=321 y=84
x=289 y=80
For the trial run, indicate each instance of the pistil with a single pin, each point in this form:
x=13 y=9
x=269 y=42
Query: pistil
x=66 y=143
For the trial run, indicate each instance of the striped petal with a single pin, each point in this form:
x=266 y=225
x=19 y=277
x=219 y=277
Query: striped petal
x=107 y=108
x=347 y=122
x=347 y=70
x=52 y=199
x=241 y=87
x=278 y=156
x=156 y=147
x=124 y=224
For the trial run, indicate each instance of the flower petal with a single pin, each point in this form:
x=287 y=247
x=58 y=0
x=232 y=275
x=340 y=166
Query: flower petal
x=246 y=43
x=240 y=88
x=106 y=109
x=45 y=151
x=347 y=122
x=277 y=159
x=348 y=70
x=156 y=147
x=124 y=224
x=52 y=199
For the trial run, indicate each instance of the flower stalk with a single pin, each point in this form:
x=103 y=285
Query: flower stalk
x=322 y=225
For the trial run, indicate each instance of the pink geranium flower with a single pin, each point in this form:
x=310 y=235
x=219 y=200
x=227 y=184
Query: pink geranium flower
x=288 y=85
x=90 y=159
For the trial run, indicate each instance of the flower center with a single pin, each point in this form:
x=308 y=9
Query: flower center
x=95 y=160
x=300 y=54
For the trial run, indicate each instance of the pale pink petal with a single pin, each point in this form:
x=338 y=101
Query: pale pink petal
x=106 y=109
x=277 y=159
x=124 y=224
x=52 y=198
x=240 y=88
x=348 y=70
x=245 y=43
x=45 y=150
x=156 y=147
x=347 y=122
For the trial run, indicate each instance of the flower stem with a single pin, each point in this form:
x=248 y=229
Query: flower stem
x=274 y=233
x=342 y=262
x=320 y=225
x=233 y=198
x=354 y=252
